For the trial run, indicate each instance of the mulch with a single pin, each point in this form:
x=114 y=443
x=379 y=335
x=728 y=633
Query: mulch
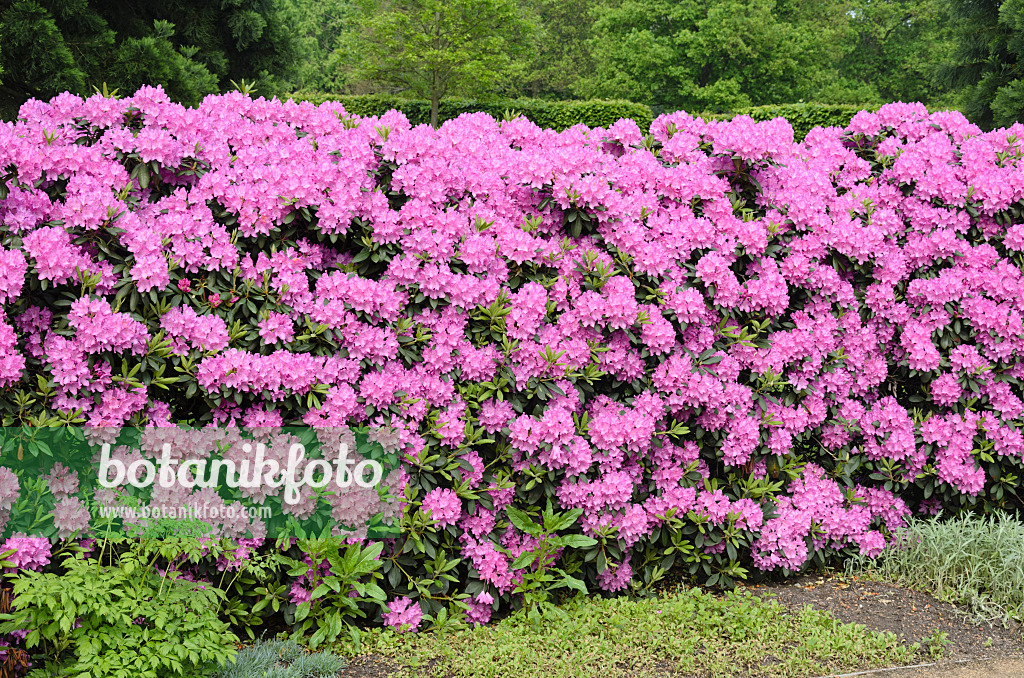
x=368 y=666
x=911 y=615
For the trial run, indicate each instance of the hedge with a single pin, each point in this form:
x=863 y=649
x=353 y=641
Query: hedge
x=558 y=115
x=603 y=357
x=803 y=117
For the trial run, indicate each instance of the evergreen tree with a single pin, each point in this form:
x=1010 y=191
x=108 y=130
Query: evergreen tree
x=191 y=47
x=988 y=61
x=318 y=25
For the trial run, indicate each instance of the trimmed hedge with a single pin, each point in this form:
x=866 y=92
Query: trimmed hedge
x=803 y=117
x=560 y=115
x=557 y=115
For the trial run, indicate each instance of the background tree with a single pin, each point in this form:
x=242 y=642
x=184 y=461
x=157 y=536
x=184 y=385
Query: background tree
x=317 y=26
x=562 y=56
x=697 y=54
x=988 y=60
x=191 y=47
x=894 y=48
x=436 y=48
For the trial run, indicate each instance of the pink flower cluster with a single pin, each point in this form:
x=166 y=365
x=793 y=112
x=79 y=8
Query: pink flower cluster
x=404 y=616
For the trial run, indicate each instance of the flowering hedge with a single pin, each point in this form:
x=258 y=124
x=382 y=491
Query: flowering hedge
x=730 y=351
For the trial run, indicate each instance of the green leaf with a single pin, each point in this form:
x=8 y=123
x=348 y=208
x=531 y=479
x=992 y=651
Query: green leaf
x=522 y=521
x=577 y=541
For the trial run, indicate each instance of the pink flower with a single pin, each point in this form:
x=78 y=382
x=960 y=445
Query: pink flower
x=480 y=608
x=443 y=506
x=30 y=553
x=403 y=615
x=277 y=327
x=70 y=516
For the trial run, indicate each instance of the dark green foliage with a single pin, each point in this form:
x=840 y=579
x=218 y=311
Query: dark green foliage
x=192 y=48
x=891 y=50
x=804 y=117
x=554 y=114
x=153 y=59
x=35 y=56
x=331 y=607
x=989 y=60
x=317 y=26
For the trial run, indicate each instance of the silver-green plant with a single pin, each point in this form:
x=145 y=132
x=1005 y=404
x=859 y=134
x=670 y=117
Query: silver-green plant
x=972 y=560
x=282 y=659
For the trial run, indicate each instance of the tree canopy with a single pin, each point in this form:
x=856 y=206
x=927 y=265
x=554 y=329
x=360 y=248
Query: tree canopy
x=705 y=56
x=436 y=48
x=988 y=61
x=191 y=47
x=697 y=55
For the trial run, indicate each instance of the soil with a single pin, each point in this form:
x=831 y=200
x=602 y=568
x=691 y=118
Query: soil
x=911 y=615
x=368 y=666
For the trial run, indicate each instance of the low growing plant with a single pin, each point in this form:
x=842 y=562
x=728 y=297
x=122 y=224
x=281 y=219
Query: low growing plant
x=332 y=606
x=973 y=561
x=282 y=659
x=119 y=615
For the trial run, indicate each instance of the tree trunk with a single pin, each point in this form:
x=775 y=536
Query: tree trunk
x=435 y=103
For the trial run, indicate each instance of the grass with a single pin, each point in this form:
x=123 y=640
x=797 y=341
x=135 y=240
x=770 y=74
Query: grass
x=973 y=561
x=688 y=632
x=282 y=659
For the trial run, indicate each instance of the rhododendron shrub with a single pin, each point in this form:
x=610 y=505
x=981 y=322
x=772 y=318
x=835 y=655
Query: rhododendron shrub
x=731 y=351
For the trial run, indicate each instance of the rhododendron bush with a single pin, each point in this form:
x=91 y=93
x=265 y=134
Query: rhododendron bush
x=731 y=351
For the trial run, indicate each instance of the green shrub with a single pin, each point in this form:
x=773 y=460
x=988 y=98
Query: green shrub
x=118 y=616
x=332 y=605
x=557 y=115
x=803 y=117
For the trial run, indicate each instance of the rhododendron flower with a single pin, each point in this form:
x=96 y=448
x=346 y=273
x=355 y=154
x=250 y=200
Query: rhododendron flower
x=30 y=553
x=403 y=615
x=70 y=516
x=443 y=506
x=480 y=608
x=591 y=310
x=277 y=327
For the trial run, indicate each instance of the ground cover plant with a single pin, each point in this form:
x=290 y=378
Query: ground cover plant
x=282 y=659
x=601 y=354
x=686 y=632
